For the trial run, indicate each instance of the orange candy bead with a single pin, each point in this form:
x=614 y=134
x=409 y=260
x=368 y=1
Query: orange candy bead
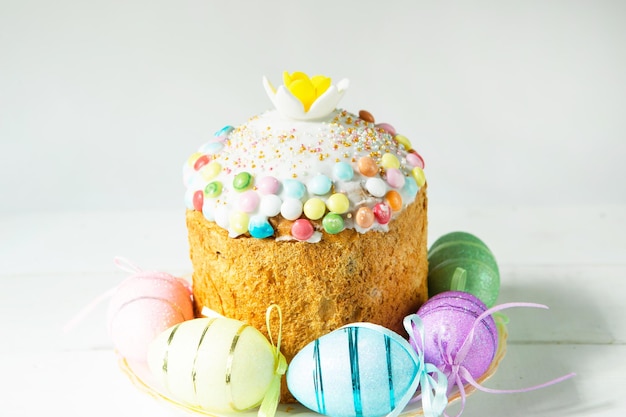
x=394 y=200
x=364 y=217
x=367 y=166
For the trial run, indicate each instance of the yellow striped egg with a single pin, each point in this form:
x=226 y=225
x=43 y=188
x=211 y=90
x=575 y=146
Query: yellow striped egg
x=215 y=364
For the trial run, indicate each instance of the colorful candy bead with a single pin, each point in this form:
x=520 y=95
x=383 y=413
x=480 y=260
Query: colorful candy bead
x=270 y=205
x=394 y=200
x=387 y=128
x=366 y=116
x=193 y=158
x=314 y=208
x=294 y=188
x=238 y=222
x=333 y=223
x=188 y=198
x=242 y=181
x=367 y=166
x=410 y=188
x=291 y=208
x=395 y=178
x=208 y=209
x=418 y=175
x=212 y=148
x=213 y=189
x=320 y=184
x=414 y=159
x=248 y=201
x=222 y=216
x=211 y=170
x=361 y=369
x=376 y=187
x=343 y=171
x=268 y=185
x=224 y=131
x=364 y=217
x=302 y=229
x=403 y=140
x=338 y=203
x=389 y=160
x=382 y=213
x=259 y=227
x=198 y=200
x=200 y=162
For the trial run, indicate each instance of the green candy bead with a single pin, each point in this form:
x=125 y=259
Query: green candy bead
x=242 y=181
x=332 y=223
x=460 y=261
x=213 y=189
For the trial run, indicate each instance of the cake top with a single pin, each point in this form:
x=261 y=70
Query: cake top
x=319 y=168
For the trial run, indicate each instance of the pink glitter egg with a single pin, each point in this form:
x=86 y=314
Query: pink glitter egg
x=143 y=306
x=450 y=320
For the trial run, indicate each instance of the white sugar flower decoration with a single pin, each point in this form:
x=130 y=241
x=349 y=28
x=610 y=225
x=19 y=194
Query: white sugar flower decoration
x=305 y=98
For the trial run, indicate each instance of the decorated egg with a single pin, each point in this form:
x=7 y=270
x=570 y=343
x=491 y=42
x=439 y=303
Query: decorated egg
x=454 y=337
x=216 y=364
x=460 y=261
x=455 y=332
x=358 y=370
x=144 y=305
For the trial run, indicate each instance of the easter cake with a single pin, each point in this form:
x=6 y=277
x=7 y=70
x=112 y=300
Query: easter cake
x=313 y=208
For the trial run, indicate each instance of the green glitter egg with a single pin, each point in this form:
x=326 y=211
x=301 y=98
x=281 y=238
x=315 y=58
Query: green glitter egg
x=460 y=261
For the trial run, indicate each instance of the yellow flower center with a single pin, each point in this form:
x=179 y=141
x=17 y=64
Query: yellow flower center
x=306 y=89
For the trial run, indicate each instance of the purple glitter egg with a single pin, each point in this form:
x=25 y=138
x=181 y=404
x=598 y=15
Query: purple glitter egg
x=450 y=321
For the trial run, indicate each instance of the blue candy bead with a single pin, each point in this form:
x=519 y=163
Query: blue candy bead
x=212 y=148
x=224 y=131
x=259 y=227
x=343 y=171
x=320 y=184
x=294 y=188
x=410 y=187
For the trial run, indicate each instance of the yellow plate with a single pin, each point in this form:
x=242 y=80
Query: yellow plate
x=141 y=377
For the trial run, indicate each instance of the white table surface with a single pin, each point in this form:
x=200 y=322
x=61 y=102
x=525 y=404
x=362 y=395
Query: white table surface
x=570 y=258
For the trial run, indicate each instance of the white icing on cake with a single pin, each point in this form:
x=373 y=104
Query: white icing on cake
x=228 y=179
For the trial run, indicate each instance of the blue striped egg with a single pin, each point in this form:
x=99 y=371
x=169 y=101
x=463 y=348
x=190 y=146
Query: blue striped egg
x=358 y=370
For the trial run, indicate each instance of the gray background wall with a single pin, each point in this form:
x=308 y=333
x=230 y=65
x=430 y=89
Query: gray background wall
x=509 y=102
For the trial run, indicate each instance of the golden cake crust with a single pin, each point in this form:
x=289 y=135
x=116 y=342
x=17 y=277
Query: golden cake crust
x=378 y=277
